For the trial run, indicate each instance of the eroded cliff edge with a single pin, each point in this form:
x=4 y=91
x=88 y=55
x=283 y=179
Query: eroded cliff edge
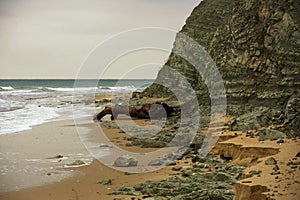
x=256 y=47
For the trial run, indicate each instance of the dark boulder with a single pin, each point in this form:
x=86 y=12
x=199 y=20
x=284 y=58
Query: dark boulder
x=147 y=111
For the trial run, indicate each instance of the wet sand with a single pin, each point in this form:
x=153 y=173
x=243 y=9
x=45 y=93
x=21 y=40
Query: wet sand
x=39 y=156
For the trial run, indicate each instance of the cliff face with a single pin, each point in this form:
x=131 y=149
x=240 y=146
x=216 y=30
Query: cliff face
x=256 y=47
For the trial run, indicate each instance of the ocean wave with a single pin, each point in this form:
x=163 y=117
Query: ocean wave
x=68 y=90
x=104 y=88
x=6 y=88
x=22 y=91
x=71 y=89
x=23 y=119
x=119 y=89
x=8 y=109
x=7 y=92
x=6 y=106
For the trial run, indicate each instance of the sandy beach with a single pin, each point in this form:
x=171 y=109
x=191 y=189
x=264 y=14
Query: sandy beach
x=67 y=159
x=40 y=155
x=36 y=165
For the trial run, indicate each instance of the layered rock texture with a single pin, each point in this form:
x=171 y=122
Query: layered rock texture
x=256 y=47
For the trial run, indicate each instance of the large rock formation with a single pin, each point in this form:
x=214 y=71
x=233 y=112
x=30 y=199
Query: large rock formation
x=147 y=111
x=256 y=47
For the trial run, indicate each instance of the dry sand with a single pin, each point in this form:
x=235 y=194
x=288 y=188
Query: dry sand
x=252 y=153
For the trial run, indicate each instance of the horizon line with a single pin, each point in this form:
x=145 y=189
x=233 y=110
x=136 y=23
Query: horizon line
x=77 y=79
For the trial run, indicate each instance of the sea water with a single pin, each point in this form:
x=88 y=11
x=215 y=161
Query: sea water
x=24 y=103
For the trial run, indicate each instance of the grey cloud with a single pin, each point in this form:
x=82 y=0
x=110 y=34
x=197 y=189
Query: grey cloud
x=57 y=34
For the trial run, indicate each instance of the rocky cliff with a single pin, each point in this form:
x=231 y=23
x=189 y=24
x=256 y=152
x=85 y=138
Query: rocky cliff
x=256 y=47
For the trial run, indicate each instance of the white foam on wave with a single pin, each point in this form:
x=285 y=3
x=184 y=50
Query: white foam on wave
x=118 y=89
x=6 y=105
x=72 y=89
x=24 y=119
x=20 y=109
x=6 y=88
x=9 y=92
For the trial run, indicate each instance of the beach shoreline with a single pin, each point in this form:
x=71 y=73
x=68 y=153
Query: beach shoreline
x=58 y=144
x=40 y=155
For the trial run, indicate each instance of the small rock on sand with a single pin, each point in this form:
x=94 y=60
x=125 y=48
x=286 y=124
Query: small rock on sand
x=125 y=161
x=105 y=182
x=76 y=163
x=270 y=161
x=269 y=134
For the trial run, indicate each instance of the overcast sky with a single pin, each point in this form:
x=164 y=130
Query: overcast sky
x=51 y=38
